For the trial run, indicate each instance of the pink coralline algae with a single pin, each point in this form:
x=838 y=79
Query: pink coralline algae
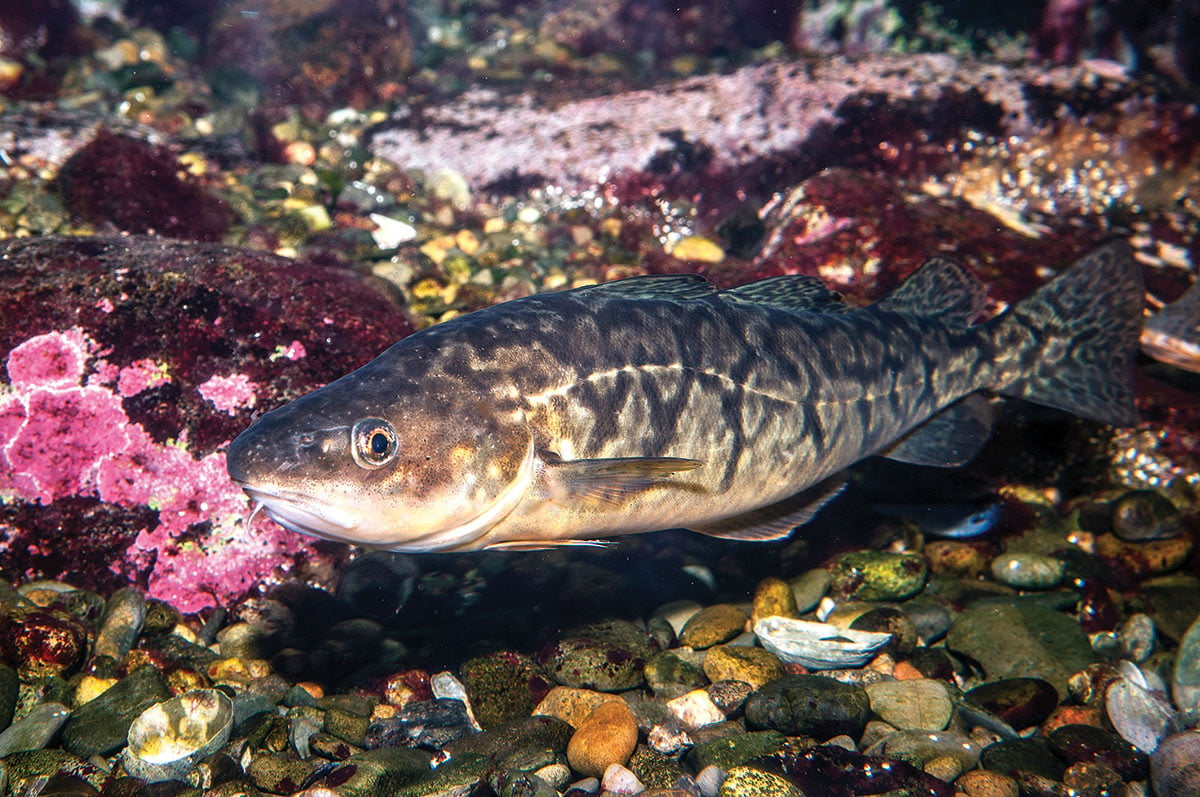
x=61 y=438
x=230 y=393
x=141 y=375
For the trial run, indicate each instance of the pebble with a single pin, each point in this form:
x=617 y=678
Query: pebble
x=42 y=643
x=1028 y=570
x=10 y=689
x=677 y=613
x=921 y=747
x=1020 y=702
x=959 y=559
x=1185 y=681
x=572 y=705
x=35 y=730
x=889 y=620
x=731 y=751
x=809 y=588
x=773 y=598
x=923 y=705
x=1143 y=515
x=713 y=625
x=1137 y=711
x=1021 y=640
x=1031 y=754
x=809 y=705
x=608 y=657
x=675 y=672
x=981 y=783
x=1089 y=744
x=502 y=686
x=1137 y=634
x=749 y=782
x=1151 y=557
x=620 y=780
x=753 y=666
x=124 y=616
x=1175 y=765
x=878 y=575
x=695 y=710
x=100 y=726
x=607 y=736
x=697 y=249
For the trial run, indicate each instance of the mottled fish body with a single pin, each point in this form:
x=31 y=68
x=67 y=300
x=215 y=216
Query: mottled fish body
x=1172 y=335
x=661 y=402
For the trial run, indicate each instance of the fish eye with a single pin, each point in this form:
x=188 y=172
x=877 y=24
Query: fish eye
x=373 y=443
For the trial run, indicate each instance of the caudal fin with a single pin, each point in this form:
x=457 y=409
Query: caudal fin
x=1071 y=345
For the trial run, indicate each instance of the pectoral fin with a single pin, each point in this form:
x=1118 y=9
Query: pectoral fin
x=776 y=521
x=951 y=438
x=609 y=481
x=546 y=545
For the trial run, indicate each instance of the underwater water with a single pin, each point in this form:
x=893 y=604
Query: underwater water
x=210 y=210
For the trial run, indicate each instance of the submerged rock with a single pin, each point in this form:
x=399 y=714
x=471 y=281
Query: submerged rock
x=130 y=362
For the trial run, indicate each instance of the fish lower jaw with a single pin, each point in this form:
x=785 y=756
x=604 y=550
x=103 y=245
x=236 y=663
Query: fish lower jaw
x=303 y=515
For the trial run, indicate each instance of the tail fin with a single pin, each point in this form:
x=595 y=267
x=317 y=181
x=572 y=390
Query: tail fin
x=1071 y=345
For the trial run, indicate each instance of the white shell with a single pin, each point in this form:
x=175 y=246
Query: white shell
x=167 y=739
x=818 y=646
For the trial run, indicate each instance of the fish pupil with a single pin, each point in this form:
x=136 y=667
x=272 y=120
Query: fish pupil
x=379 y=444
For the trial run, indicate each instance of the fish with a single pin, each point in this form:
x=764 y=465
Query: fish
x=661 y=402
x=1172 y=335
x=955 y=521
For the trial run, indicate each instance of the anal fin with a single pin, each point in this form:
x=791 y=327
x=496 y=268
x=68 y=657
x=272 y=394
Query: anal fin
x=546 y=545
x=950 y=438
x=776 y=521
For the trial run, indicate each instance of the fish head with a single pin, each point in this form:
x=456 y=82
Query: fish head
x=413 y=473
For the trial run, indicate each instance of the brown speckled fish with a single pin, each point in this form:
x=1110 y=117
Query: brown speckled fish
x=661 y=402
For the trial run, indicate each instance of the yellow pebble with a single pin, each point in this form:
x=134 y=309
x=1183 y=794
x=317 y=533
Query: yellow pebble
x=697 y=249
x=91 y=687
x=607 y=736
x=773 y=598
x=572 y=705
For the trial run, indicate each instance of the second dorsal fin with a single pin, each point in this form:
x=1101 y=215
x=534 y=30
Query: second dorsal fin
x=791 y=292
x=939 y=288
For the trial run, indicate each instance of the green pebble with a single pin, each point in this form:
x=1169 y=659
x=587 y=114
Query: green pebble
x=879 y=576
x=731 y=751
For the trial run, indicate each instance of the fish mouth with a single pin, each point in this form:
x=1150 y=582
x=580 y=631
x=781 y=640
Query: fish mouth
x=302 y=514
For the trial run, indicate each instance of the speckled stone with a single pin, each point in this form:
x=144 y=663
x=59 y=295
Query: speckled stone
x=730 y=751
x=923 y=704
x=10 y=688
x=956 y=558
x=754 y=666
x=571 y=705
x=673 y=673
x=809 y=705
x=608 y=657
x=878 y=575
x=1152 y=557
x=713 y=625
x=981 y=783
x=607 y=736
x=749 y=782
x=503 y=686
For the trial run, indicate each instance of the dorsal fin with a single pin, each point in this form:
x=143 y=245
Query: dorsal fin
x=791 y=292
x=680 y=287
x=940 y=288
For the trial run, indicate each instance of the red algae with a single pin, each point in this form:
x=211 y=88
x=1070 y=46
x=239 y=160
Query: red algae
x=112 y=428
x=134 y=186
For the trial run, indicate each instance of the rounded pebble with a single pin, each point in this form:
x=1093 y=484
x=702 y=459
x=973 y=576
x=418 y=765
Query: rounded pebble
x=878 y=575
x=1145 y=515
x=773 y=598
x=748 y=782
x=754 y=666
x=981 y=783
x=713 y=625
x=1175 y=765
x=809 y=705
x=607 y=736
x=1028 y=570
x=922 y=705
